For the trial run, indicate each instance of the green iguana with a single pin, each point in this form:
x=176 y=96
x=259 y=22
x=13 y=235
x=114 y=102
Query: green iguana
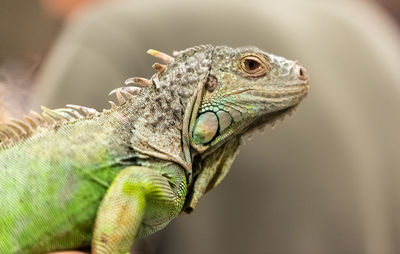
x=74 y=177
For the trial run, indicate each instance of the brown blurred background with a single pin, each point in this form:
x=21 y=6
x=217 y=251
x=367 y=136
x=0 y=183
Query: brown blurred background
x=325 y=181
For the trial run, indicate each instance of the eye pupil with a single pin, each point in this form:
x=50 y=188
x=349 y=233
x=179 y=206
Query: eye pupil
x=251 y=64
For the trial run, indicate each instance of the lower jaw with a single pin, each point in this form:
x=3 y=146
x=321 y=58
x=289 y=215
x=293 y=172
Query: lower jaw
x=268 y=119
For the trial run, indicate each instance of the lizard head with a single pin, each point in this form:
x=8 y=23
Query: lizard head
x=246 y=88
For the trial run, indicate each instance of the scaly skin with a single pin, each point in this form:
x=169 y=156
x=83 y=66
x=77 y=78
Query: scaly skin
x=104 y=180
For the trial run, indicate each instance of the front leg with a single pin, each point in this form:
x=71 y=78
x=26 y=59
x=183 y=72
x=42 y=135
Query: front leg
x=139 y=202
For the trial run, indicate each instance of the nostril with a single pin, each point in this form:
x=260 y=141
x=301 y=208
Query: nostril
x=302 y=73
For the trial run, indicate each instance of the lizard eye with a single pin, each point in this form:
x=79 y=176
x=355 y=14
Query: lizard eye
x=253 y=66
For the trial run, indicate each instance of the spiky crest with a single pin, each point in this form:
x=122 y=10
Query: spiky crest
x=15 y=130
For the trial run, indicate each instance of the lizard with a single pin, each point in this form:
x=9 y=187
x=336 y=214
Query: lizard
x=74 y=177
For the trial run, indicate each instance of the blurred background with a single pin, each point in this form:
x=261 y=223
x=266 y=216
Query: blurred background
x=325 y=181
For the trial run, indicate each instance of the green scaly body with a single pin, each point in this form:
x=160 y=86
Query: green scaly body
x=57 y=184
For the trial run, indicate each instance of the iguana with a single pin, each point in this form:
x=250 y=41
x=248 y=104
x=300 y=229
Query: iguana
x=74 y=177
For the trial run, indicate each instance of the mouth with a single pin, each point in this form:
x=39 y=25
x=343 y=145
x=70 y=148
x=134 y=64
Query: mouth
x=274 y=92
x=299 y=89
